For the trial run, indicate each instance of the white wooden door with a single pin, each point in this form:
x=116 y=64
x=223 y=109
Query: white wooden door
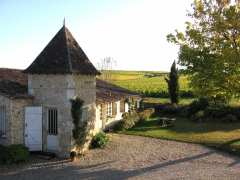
x=33 y=128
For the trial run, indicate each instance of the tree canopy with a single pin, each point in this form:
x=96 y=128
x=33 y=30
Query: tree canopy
x=210 y=48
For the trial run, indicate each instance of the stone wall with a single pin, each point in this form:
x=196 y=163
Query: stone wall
x=50 y=91
x=17 y=123
x=86 y=90
x=56 y=91
x=15 y=120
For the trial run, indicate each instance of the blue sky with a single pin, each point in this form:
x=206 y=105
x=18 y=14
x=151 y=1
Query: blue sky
x=132 y=32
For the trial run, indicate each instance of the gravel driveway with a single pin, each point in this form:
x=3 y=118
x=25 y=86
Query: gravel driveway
x=132 y=157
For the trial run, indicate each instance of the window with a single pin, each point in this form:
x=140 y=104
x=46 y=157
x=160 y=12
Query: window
x=84 y=114
x=109 y=109
x=3 y=120
x=101 y=113
x=52 y=121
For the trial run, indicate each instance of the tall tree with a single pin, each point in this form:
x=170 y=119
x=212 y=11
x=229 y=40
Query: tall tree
x=106 y=66
x=173 y=85
x=210 y=48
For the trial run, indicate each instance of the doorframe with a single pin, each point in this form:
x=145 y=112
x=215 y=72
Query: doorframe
x=26 y=125
x=47 y=128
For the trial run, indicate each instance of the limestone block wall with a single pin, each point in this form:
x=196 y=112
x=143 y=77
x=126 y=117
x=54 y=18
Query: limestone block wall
x=86 y=90
x=56 y=91
x=17 y=122
x=4 y=101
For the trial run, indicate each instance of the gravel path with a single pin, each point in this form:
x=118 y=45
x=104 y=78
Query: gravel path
x=132 y=157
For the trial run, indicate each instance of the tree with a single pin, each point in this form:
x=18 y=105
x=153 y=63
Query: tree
x=173 y=86
x=106 y=66
x=210 y=49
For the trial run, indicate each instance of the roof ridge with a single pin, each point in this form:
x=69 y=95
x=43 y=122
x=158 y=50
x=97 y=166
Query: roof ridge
x=68 y=53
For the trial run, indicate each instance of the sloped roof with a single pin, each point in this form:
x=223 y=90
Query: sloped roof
x=13 y=89
x=13 y=75
x=107 y=92
x=13 y=83
x=62 y=55
x=112 y=87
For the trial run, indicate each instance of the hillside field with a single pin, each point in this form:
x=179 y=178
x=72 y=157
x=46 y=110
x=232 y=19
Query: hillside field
x=143 y=81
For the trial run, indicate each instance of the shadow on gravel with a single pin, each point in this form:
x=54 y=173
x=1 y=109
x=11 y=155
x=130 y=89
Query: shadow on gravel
x=100 y=171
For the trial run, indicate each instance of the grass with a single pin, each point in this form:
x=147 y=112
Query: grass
x=142 y=81
x=221 y=135
x=225 y=136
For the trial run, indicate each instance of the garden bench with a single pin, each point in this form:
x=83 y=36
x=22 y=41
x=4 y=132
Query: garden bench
x=166 y=122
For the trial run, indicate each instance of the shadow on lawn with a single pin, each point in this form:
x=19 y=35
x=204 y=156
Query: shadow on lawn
x=103 y=170
x=187 y=126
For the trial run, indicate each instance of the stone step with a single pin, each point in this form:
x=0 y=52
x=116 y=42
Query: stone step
x=44 y=155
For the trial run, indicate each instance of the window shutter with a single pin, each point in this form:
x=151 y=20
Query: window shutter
x=114 y=108
x=122 y=106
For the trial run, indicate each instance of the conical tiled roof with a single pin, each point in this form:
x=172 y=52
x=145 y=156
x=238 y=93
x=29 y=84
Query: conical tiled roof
x=62 y=55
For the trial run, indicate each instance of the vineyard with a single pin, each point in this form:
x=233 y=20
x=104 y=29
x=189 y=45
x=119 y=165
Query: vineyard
x=148 y=83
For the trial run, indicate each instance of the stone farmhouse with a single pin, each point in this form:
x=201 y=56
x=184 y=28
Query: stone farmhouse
x=35 y=108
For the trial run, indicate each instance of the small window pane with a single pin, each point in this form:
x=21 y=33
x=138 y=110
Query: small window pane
x=101 y=113
x=109 y=109
x=52 y=122
x=2 y=121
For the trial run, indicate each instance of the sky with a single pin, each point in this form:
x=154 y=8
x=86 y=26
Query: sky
x=132 y=32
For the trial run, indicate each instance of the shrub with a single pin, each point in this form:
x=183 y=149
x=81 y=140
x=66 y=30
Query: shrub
x=18 y=153
x=128 y=121
x=183 y=111
x=13 y=154
x=186 y=94
x=198 y=116
x=168 y=109
x=100 y=140
x=229 y=118
x=197 y=105
x=3 y=154
x=214 y=112
x=222 y=113
x=146 y=114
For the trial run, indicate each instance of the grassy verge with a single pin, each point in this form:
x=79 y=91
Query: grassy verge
x=220 y=135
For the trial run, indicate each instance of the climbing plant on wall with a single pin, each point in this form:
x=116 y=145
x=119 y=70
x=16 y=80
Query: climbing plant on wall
x=80 y=130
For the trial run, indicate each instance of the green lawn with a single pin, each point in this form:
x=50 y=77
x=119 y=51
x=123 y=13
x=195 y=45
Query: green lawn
x=221 y=135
